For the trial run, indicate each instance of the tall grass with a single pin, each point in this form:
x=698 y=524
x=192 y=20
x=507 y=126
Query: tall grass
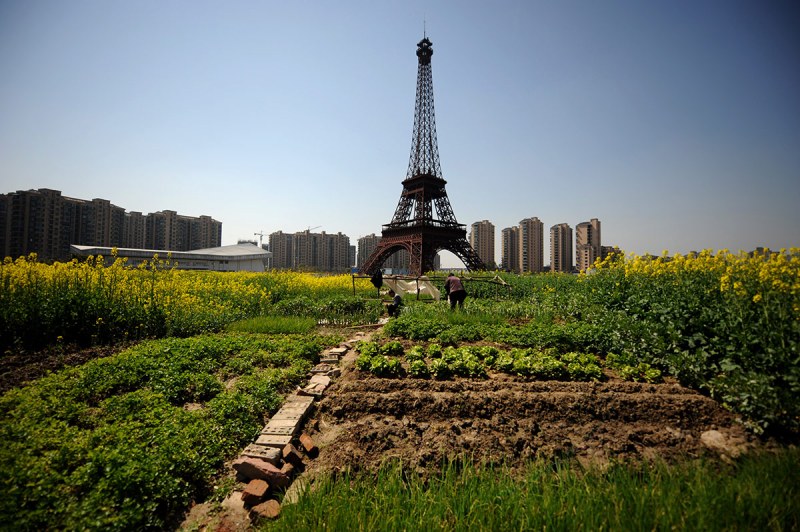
x=274 y=325
x=759 y=493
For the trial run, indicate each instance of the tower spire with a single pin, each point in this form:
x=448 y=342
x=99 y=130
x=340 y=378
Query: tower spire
x=424 y=157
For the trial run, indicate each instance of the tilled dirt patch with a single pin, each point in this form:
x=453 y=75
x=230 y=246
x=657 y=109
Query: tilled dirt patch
x=364 y=421
x=18 y=367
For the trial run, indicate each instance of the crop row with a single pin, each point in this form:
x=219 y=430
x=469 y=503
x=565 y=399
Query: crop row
x=391 y=359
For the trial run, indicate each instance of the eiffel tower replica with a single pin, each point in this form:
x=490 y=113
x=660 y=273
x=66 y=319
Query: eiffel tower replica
x=414 y=227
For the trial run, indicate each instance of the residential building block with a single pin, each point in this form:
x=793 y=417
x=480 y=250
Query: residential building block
x=46 y=223
x=561 y=248
x=531 y=245
x=481 y=238
x=587 y=244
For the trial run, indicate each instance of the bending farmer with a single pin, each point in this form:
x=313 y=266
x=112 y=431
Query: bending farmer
x=455 y=291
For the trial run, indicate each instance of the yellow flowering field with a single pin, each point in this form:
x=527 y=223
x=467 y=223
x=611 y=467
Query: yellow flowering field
x=725 y=323
x=97 y=302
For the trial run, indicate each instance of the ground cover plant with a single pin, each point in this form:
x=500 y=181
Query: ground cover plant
x=274 y=325
x=126 y=442
x=726 y=324
x=761 y=492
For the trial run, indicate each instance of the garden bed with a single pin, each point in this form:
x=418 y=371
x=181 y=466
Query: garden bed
x=365 y=421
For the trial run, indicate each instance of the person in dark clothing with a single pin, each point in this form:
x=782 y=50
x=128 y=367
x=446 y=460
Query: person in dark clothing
x=394 y=306
x=455 y=291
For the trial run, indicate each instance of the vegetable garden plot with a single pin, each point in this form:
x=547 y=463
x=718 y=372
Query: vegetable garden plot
x=365 y=420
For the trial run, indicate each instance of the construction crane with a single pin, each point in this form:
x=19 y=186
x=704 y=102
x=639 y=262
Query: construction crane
x=312 y=228
x=260 y=236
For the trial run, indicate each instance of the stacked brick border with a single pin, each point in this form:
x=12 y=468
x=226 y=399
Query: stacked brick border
x=271 y=462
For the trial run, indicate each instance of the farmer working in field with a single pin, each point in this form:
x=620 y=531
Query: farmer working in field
x=455 y=291
x=394 y=307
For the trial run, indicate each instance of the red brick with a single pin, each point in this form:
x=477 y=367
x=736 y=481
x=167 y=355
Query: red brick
x=251 y=468
x=291 y=455
x=255 y=492
x=288 y=470
x=308 y=445
x=270 y=509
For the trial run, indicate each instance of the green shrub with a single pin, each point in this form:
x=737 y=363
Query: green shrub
x=363 y=362
x=434 y=350
x=383 y=366
x=415 y=353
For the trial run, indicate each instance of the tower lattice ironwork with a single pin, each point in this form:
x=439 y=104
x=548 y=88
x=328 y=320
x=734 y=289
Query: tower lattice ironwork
x=423 y=222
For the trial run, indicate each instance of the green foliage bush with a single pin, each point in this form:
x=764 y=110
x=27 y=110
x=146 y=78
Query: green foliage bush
x=440 y=369
x=475 y=362
x=392 y=348
x=416 y=352
x=384 y=366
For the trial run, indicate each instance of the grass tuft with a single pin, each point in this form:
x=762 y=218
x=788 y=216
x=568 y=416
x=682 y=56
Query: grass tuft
x=274 y=325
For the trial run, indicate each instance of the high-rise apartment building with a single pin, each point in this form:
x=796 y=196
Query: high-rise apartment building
x=561 y=248
x=45 y=222
x=133 y=232
x=202 y=230
x=280 y=244
x=334 y=252
x=531 y=245
x=32 y=223
x=481 y=238
x=100 y=222
x=161 y=229
x=587 y=244
x=510 y=248
x=169 y=230
x=305 y=250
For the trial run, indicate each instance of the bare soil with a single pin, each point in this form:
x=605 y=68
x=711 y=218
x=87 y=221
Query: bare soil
x=364 y=421
x=19 y=366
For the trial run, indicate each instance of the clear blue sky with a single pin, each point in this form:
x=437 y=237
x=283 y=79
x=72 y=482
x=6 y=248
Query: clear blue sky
x=676 y=123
